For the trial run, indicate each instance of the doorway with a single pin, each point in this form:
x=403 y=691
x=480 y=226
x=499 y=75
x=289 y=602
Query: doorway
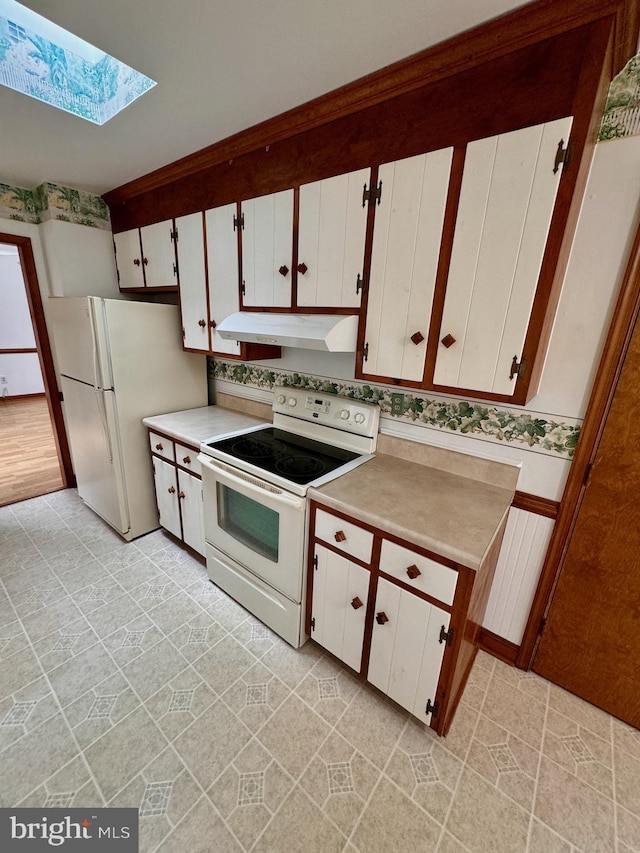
x=34 y=451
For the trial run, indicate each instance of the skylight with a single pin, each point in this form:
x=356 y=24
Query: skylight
x=48 y=63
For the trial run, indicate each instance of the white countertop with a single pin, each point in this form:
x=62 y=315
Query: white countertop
x=194 y=426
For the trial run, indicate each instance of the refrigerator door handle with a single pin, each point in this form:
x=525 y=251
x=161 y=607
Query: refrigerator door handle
x=102 y=406
x=97 y=382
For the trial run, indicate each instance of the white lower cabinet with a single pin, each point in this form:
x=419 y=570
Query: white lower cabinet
x=405 y=619
x=178 y=490
x=406 y=648
x=191 y=510
x=340 y=595
x=164 y=474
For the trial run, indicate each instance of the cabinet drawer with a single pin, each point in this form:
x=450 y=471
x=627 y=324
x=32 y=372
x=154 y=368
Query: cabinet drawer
x=187 y=457
x=344 y=535
x=420 y=572
x=161 y=446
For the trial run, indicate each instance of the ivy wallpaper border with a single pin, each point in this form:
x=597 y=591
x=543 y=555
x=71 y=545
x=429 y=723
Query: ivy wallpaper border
x=490 y=423
x=53 y=201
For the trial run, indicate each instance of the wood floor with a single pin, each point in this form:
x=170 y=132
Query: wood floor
x=29 y=463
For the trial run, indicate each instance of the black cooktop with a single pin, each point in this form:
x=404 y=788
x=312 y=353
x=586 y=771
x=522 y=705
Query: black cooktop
x=292 y=456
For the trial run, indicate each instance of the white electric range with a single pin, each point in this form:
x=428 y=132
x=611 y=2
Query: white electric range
x=255 y=483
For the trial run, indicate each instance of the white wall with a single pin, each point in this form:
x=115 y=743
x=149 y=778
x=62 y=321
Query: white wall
x=80 y=260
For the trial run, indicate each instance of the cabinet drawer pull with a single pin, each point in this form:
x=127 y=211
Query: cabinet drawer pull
x=381 y=617
x=181 y=495
x=302 y=268
x=171 y=490
x=284 y=270
x=448 y=341
x=356 y=603
x=202 y=323
x=159 y=447
x=413 y=572
x=340 y=536
x=187 y=461
x=145 y=261
x=212 y=324
x=136 y=262
x=417 y=338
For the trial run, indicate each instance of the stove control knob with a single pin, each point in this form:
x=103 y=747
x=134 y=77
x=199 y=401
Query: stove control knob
x=281 y=399
x=292 y=401
x=359 y=418
x=344 y=414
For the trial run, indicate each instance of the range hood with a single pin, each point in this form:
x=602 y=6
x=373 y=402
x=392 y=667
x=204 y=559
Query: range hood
x=326 y=332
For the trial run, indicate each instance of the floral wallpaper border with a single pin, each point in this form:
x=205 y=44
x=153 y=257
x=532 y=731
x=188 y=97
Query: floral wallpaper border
x=621 y=115
x=473 y=419
x=53 y=201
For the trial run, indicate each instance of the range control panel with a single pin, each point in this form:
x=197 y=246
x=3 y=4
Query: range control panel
x=330 y=410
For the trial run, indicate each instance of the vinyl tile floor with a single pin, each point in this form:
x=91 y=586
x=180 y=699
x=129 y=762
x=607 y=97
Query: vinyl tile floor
x=128 y=679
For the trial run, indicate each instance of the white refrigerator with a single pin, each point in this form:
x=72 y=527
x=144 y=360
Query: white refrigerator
x=120 y=361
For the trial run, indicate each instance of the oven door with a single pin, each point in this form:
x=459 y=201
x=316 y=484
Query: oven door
x=258 y=525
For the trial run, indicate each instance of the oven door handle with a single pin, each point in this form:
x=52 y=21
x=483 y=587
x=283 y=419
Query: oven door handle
x=248 y=481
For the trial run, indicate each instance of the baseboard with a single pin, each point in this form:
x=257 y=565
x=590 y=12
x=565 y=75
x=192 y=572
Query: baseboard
x=497 y=646
x=22 y=396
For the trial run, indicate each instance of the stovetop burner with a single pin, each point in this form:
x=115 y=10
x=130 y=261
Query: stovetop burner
x=302 y=468
x=255 y=448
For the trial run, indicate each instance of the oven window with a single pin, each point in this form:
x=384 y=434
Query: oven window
x=249 y=522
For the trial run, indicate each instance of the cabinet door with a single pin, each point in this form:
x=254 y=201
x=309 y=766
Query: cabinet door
x=506 y=203
x=267 y=250
x=404 y=261
x=128 y=259
x=164 y=475
x=222 y=264
x=193 y=284
x=159 y=254
x=191 y=510
x=340 y=592
x=406 y=652
x=331 y=236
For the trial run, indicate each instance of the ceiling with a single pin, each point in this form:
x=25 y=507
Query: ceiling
x=221 y=67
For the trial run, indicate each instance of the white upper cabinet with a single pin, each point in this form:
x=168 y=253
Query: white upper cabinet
x=222 y=263
x=331 y=237
x=267 y=250
x=508 y=193
x=193 y=283
x=146 y=257
x=404 y=261
x=159 y=254
x=129 y=259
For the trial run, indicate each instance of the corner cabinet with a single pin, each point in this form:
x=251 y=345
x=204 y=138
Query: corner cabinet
x=146 y=257
x=404 y=619
x=178 y=484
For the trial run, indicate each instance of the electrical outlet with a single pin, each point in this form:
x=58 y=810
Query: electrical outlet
x=397 y=404
x=4 y=380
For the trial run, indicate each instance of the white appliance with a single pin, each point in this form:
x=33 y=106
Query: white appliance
x=119 y=362
x=255 y=507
